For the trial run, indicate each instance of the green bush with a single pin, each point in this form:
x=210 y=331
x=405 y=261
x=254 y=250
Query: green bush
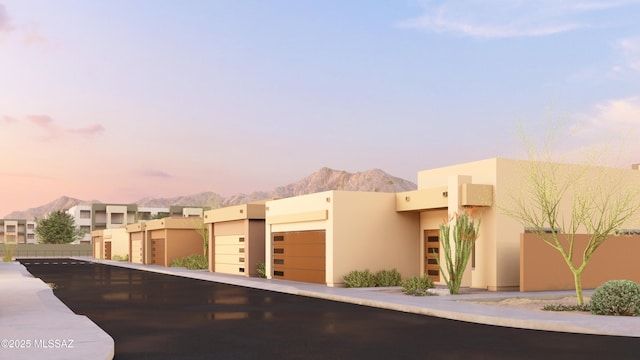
x=120 y=258
x=358 y=279
x=616 y=297
x=417 y=285
x=388 y=278
x=262 y=270
x=192 y=262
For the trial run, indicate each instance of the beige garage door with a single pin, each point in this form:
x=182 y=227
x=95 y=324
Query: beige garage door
x=136 y=251
x=300 y=256
x=229 y=254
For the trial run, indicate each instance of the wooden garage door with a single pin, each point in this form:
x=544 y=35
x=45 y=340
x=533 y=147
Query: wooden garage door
x=300 y=256
x=157 y=252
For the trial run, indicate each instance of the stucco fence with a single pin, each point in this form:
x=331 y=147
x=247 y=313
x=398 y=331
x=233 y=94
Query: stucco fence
x=48 y=250
x=543 y=268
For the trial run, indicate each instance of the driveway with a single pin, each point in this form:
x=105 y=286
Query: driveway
x=157 y=316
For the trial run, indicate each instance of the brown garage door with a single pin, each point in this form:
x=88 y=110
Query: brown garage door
x=157 y=252
x=300 y=256
x=107 y=250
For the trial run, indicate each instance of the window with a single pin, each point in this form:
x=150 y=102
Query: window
x=11 y=228
x=31 y=236
x=117 y=218
x=85 y=214
x=31 y=226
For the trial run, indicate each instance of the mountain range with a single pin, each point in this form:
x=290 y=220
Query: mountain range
x=321 y=180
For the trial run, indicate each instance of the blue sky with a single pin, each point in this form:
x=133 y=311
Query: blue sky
x=117 y=100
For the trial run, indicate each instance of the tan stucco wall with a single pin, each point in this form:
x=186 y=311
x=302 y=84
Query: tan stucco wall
x=543 y=268
x=181 y=243
x=370 y=234
x=119 y=239
x=363 y=231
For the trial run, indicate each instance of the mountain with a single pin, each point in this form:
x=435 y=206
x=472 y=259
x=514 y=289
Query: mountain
x=64 y=202
x=321 y=180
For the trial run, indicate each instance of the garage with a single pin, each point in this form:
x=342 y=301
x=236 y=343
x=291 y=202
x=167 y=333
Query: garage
x=229 y=254
x=136 y=242
x=157 y=252
x=300 y=256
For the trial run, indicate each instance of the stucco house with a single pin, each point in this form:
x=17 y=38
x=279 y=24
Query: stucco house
x=236 y=238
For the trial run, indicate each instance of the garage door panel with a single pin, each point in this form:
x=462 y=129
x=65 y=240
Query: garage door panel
x=228 y=239
x=312 y=276
x=230 y=258
x=300 y=237
x=228 y=249
x=311 y=263
x=230 y=268
x=300 y=249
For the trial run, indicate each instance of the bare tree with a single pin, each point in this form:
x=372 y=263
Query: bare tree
x=558 y=200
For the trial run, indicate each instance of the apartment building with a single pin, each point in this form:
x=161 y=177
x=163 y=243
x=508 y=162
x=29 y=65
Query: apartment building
x=18 y=231
x=98 y=216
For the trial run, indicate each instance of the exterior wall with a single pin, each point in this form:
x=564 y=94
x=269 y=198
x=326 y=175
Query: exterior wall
x=497 y=255
x=98 y=244
x=363 y=231
x=487 y=257
x=82 y=216
x=181 y=243
x=369 y=234
x=256 y=246
x=181 y=236
x=543 y=268
x=18 y=231
x=119 y=239
x=306 y=212
x=49 y=250
x=231 y=223
x=137 y=242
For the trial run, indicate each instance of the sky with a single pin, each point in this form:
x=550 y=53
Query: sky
x=118 y=100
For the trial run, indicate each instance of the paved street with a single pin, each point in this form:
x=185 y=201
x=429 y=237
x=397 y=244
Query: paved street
x=156 y=316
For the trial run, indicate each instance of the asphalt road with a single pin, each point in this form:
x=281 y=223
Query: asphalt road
x=155 y=316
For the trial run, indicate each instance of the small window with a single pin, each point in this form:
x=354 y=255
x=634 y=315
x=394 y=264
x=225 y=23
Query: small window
x=278 y=238
x=11 y=228
x=85 y=214
x=241 y=270
x=241 y=239
x=31 y=226
x=278 y=261
x=241 y=250
x=278 y=273
x=278 y=251
x=241 y=260
x=432 y=272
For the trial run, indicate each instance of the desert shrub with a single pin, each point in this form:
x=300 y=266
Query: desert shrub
x=262 y=270
x=561 y=307
x=616 y=297
x=358 y=279
x=191 y=262
x=388 y=278
x=417 y=285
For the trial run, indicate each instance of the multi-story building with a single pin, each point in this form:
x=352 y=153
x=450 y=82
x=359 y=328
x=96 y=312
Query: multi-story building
x=18 y=231
x=99 y=216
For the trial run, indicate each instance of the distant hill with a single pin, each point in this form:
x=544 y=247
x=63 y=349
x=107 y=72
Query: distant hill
x=321 y=180
x=63 y=202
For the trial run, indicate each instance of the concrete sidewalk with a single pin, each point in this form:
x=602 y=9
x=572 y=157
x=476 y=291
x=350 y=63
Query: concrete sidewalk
x=35 y=324
x=456 y=307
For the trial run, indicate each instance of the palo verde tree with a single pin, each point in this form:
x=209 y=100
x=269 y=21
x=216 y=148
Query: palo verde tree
x=559 y=200
x=58 y=228
x=464 y=235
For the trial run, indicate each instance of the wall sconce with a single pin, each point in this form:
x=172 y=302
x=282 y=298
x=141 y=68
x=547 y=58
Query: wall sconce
x=445 y=194
x=407 y=198
x=328 y=199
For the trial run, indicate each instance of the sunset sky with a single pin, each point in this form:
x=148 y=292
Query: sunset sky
x=121 y=99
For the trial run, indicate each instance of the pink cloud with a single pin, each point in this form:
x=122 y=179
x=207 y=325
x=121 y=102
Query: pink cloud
x=155 y=173
x=43 y=121
x=8 y=119
x=5 y=20
x=89 y=131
